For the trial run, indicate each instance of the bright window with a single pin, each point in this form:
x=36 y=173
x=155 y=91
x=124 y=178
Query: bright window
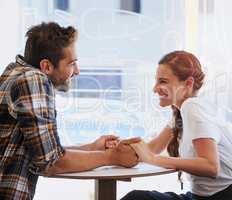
x=62 y=4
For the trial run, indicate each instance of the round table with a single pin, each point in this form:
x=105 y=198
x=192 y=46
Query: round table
x=106 y=177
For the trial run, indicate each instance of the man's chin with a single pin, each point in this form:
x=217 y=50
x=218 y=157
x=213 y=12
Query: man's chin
x=62 y=88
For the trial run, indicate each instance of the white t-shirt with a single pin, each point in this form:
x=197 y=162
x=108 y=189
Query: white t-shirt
x=200 y=120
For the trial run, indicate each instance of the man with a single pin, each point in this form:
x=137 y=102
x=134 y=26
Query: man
x=29 y=142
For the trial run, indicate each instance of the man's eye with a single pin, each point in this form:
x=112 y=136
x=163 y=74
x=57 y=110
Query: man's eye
x=73 y=64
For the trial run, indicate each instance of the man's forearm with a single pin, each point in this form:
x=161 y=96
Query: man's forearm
x=84 y=147
x=78 y=160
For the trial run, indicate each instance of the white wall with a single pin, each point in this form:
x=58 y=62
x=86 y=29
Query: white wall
x=9 y=34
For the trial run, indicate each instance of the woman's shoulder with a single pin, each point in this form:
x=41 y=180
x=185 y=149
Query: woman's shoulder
x=198 y=105
x=191 y=102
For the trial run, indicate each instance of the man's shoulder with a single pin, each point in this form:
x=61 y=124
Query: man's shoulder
x=14 y=70
x=28 y=71
x=30 y=80
x=16 y=75
x=27 y=74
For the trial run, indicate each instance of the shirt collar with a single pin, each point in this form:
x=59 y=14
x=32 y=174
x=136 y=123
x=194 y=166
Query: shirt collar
x=20 y=60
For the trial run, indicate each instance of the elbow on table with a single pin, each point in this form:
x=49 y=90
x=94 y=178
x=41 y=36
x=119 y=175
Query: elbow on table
x=54 y=169
x=214 y=170
x=60 y=166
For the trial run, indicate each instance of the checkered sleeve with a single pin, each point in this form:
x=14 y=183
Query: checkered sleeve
x=33 y=105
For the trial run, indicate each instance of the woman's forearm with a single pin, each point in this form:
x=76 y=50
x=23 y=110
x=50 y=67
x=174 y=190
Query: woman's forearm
x=159 y=144
x=196 y=166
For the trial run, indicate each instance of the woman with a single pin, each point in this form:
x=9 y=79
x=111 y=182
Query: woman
x=203 y=141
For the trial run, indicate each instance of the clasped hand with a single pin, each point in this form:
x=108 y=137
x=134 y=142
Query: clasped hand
x=126 y=152
x=140 y=148
x=122 y=153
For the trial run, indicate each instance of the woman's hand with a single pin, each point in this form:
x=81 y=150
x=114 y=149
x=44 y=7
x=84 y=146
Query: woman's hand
x=143 y=152
x=123 y=154
x=105 y=141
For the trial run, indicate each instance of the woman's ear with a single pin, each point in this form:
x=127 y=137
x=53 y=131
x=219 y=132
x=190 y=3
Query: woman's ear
x=189 y=82
x=46 y=66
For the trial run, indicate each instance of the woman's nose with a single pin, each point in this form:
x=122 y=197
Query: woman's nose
x=155 y=88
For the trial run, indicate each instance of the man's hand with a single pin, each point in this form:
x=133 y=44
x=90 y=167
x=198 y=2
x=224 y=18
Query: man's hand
x=104 y=142
x=114 y=143
x=123 y=154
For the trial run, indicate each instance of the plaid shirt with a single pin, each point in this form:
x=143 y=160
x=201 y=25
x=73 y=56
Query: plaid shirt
x=29 y=143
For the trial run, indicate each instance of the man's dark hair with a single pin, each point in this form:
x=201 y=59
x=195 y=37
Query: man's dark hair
x=47 y=41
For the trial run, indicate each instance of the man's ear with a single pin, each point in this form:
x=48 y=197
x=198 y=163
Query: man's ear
x=46 y=66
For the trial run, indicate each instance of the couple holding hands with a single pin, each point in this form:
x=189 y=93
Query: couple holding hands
x=199 y=143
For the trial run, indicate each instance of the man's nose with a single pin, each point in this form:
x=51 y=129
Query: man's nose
x=76 y=70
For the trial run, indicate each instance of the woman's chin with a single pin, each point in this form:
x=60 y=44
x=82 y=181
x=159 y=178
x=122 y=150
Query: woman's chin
x=163 y=103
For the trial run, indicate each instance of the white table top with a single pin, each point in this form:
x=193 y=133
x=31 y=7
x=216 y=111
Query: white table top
x=115 y=172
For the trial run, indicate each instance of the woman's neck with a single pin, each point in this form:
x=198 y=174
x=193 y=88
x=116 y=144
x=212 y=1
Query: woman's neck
x=179 y=104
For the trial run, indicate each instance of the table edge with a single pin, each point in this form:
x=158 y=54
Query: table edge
x=111 y=177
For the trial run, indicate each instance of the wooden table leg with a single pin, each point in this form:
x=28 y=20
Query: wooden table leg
x=105 y=189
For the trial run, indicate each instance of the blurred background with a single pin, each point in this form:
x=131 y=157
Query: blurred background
x=119 y=45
